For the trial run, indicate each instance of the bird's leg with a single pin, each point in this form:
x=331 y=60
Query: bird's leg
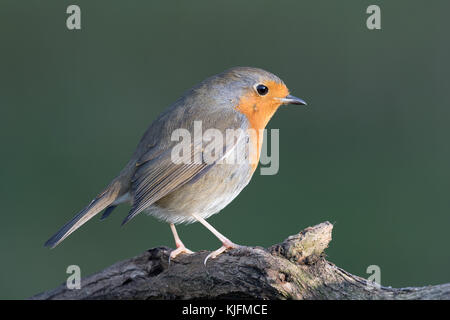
x=180 y=246
x=226 y=243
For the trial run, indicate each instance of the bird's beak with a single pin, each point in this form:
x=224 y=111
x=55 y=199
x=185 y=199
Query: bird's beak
x=289 y=99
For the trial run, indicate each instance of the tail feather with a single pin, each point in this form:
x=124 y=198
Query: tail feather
x=103 y=200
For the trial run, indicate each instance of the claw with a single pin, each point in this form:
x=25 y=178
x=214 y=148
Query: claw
x=181 y=249
x=226 y=245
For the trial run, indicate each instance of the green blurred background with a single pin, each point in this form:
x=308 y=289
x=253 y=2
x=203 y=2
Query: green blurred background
x=370 y=153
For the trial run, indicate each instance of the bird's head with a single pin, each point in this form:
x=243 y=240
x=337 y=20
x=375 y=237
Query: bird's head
x=257 y=93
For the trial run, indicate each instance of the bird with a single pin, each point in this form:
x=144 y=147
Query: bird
x=169 y=178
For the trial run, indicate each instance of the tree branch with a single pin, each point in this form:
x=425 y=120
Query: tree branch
x=293 y=269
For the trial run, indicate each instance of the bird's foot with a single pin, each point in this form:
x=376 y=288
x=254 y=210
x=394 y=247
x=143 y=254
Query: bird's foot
x=225 y=246
x=181 y=249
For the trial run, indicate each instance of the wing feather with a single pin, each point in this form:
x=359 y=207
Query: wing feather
x=156 y=175
x=157 y=178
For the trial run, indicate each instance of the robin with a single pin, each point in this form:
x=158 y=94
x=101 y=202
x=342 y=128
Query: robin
x=174 y=191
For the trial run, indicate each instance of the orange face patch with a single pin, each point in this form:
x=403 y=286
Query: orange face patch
x=258 y=110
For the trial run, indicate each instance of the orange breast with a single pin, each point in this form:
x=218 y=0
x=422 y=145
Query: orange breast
x=258 y=110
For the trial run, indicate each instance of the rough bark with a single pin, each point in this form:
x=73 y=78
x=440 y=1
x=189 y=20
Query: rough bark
x=293 y=269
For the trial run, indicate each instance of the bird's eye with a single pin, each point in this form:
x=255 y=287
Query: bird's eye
x=262 y=89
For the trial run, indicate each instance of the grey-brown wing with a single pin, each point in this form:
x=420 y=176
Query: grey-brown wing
x=156 y=173
x=157 y=178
